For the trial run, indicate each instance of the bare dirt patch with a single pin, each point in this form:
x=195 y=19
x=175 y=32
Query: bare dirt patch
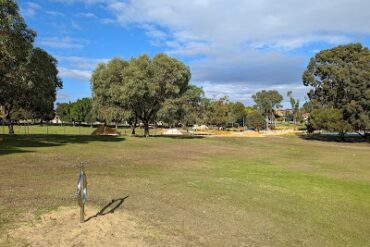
x=62 y=228
x=105 y=131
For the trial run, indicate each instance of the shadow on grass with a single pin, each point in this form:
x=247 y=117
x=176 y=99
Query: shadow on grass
x=335 y=138
x=14 y=144
x=109 y=208
x=172 y=136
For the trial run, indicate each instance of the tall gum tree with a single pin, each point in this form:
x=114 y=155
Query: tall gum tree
x=15 y=47
x=28 y=76
x=340 y=79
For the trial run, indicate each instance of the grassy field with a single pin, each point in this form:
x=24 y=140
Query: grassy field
x=57 y=130
x=273 y=191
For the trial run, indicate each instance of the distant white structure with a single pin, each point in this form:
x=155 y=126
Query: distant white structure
x=202 y=127
x=56 y=120
x=173 y=132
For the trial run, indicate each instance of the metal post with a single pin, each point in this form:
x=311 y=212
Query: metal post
x=82 y=214
x=82 y=192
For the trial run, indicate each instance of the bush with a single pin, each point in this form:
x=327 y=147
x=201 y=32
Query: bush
x=256 y=120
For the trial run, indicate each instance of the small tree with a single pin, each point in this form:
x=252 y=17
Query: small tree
x=329 y=119
x=81 y=110
x=256 y=120
x=266 y=102
x=294 y=103
x=236 y=112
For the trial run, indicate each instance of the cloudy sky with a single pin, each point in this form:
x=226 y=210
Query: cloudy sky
x=234 y=47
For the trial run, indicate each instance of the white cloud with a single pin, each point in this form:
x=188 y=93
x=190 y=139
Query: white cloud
x=30 y=9
x=54 y=13
x=79 y=68
x=63 y=42
x=83 y=75
x=87 y=15
x=240 y=91
x=82 y=63
x=107 y=21
x=246 y=44
x=236 y=22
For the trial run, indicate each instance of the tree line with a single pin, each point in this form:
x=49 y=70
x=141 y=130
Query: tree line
x=178 y=108
x=146 y=89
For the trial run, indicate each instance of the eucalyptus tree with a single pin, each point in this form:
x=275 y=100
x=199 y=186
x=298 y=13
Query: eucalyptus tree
x=266 y=103
x=340 y=79
x=28 y=76
x=148 y=83
x=185 y=109
x=105 y=81
x=43 y=81
x=237 y=112
x=255 y=120
x=15 y=47
x=294 y=103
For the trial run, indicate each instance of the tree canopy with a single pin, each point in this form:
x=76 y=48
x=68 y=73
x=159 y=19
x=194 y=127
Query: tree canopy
x=255 y=120
x=340 y=79
x=266 y=102
x=294 y=103
x=105 y=81
x=28 y=76
x=78 y=111
x=141 y=85
x=185 y=110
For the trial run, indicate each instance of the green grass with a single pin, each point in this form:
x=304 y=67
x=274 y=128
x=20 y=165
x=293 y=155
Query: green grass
x=273 y=191
x=62 y=130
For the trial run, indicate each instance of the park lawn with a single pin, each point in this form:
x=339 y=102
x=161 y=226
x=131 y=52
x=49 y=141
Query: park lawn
x=66 y=130
x=273 y=191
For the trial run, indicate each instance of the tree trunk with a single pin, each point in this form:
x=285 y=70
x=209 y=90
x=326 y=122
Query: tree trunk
x=267 y=122
x=342 y=136
x=134 y=126
x=146 y=129
x=8 y=121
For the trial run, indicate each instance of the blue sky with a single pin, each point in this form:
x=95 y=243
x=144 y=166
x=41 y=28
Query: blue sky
x=233 y=47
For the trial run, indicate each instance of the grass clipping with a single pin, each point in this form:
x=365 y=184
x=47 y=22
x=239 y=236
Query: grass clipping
x=105 y=131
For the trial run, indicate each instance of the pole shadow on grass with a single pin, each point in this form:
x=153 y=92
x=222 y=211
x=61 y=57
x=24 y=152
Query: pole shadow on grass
x=109 y=208
x=21 y=143
x=179 y=137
